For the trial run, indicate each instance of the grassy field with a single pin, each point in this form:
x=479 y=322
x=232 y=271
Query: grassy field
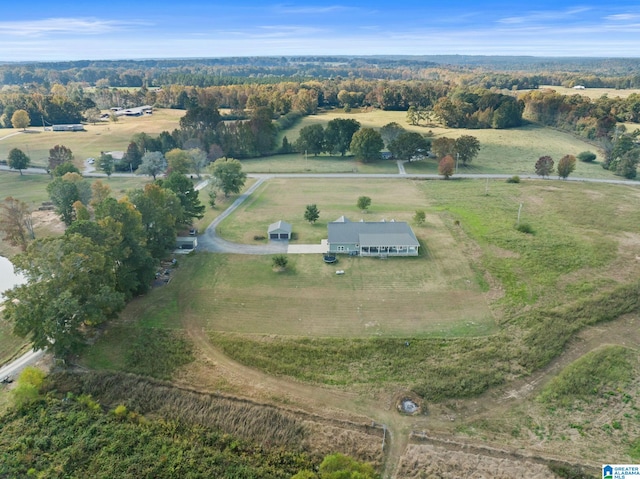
x=593 y=93
x=103 y=136
x=512 y=151
x=482 y=303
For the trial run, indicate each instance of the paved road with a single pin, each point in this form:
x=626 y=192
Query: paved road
x=209 y=241
x=12 y=369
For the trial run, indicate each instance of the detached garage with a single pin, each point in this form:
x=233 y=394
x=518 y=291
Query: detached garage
x=280 y=231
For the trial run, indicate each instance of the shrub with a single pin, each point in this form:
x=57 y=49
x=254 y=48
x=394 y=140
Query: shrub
x=587 y=156
x=525 y=228
x=259 y=237
x=280 y=261
x=513 y=179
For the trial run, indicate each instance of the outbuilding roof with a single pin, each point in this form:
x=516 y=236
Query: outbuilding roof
x=280 y=227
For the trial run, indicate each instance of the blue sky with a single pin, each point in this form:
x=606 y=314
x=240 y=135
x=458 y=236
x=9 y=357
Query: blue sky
x=117 y=29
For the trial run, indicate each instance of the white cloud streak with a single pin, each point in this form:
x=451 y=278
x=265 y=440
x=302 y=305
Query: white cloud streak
x=62 y=26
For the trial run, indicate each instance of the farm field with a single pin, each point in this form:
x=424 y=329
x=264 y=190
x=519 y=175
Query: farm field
x=103 y=136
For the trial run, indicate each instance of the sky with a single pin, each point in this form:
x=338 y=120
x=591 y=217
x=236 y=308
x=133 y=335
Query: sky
x=41 y=30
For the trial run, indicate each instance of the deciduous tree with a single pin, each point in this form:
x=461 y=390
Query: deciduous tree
x=363 y=203
x=311 y=213
x=178 y=160
x=419 y=217
x=70 y=288
x=467 y=148
x=64 y=191
x=153 y=163
x=18 y=160
x=544 y=166
x=443 y=146
x=228 y=175
x=446 y=166
x=587 y=156
x=16 y=222
x=408 y=145
x=390 y=132
x=59 y=154
x=106 y=164
x=566 y=165
x=366 y=145
x=20 y=119
x=311 y=139
x=338 y=135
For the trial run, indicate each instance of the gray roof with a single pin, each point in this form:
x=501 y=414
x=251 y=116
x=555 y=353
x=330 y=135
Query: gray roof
x=280 y=227
x=379 y=233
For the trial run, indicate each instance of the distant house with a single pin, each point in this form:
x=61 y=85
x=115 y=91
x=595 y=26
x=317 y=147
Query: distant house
x=386 y=155
x=374 y=238
x=75 y=127
x=579 y=87
x=280 y=230
x=137 y=111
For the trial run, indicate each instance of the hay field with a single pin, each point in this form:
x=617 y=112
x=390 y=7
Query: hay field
x=103 y=136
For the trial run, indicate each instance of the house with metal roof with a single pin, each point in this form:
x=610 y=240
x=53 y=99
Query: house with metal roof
x=280 y=230
x=372 y=238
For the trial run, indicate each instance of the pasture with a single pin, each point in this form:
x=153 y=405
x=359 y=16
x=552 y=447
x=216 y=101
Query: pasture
x=513 y=151
x=593 y=93
x=103 y=136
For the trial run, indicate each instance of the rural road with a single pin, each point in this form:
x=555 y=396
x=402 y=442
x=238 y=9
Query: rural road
x=12 y=369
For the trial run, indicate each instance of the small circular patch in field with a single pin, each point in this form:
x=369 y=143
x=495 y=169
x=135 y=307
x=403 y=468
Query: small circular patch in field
x=409 y=404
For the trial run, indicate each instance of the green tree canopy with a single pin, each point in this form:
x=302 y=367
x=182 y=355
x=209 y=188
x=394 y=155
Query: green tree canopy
x=228 y=175
x=179 y=161
x=311 y=213
x=311 y=139
x=443 y=146
x=409 y=144
x=65 y=190
x=188 y=196
x=338 y=135
x=366 y=145
x=363 y=203
x=18 y=160
x=467 y=148
x=70 y=288
x=161 y=212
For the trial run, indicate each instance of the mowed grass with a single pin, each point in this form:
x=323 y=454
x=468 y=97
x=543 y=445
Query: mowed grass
x=512 y=151
x=103 y=136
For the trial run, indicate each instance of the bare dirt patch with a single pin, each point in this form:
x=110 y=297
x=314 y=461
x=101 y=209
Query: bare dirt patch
x=47 y=222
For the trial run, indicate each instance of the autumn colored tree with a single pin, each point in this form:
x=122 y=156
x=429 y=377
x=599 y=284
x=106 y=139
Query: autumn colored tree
x=443 y=146
x=566 y=165
x=59 y=154
x=446 y=166
x=20 y=119
x=544 y=166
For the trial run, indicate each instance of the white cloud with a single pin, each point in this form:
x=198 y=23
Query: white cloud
x=310 y=10
x=544 y=16
x=623 y=17
x=77 y=26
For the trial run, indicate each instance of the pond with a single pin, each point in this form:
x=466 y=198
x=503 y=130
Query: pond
x=8 y=278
